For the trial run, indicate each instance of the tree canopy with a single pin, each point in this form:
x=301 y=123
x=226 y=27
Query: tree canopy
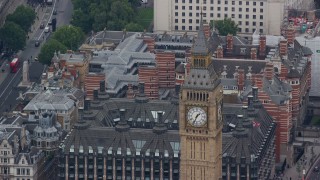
x=97 y=15
x=48 y=49
x=70 y=36
x=134 y=27
x=225 y=27
x=13 y=37
x=23 y=16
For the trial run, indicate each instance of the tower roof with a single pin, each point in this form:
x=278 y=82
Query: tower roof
x=200 y=45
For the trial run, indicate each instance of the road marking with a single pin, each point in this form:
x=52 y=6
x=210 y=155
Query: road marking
x=54 y=5
x=10 y=83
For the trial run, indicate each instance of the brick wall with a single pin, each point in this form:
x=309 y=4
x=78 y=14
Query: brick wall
x=166 y=69
x=149 y=76
x=92 y=81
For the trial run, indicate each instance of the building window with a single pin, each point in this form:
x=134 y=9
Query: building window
x=261 y=23
x=176 y=20
x=261 y=10
x=225 y=15
x=247 y=23
x=261 y=17
x=18 y=171
x=247 y=3
x=176 y=7
x=183 y=14
x=176 y=27
x=265 y=101
x=190 y=20
x=176 y=14
x=218 y=14
x=261 y=30
x=197 y=1
x=226 y=8
x=190 y=28
x=190 y=14
x=254 y=9
x=254 y=3
x=183 y=28
x=219 y=2
x=232 y=9
x=211 y=14
x=261 y=3
x=254 y=16
x=197 y=21
x=204 y=14
x=240 y=2
x=183 y=7
x=233 y=2
x=190 y=7
x=225 y=2
x=253 y=30
x=240 y=9
x=197 y=15
x=211 y=1
x=247 y=30
x=247 y=9
x=253 y=23
x=183 y=21
x=204 y=1
x=190 y=1
x=247 y=16
x=197 y=8
x=235 y=87
x=197 y=28
x=240 y=29
x=232 y=15
x=240 y=23
x=219 y=8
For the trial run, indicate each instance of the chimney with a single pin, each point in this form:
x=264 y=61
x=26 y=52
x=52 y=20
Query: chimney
x=258 y=80
x=255 y=93
x=262 y=46
x=160 y=127
x=15 y=144
x=250 y=102
x=268 y=71
x=244 y=111
x=253 y=53
x=141 y=88
x=102 y=86
x=95 y=94
x=130 y=93
x=290 y=34
x=86 y=104
x=240 y=79
x=32 y=116
x=122 y=125
x=229 y=43
x=206 y=29
x=177 y=89
x=219 y=52
x=283 y=47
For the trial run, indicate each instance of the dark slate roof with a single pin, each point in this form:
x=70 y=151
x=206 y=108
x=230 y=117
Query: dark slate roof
x=200 y=45
x=133 y=142
x=202 y=78
x=180 y=69
x=246 y=139
x=256 y=66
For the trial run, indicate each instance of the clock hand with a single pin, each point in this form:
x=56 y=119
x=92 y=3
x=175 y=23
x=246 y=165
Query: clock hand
x=194 y=120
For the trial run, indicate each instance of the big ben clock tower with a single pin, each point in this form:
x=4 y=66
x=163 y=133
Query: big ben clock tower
x=200 y=117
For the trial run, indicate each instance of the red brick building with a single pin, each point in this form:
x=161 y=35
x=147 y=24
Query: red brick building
x=150 y=77
x=166 y=68
x=92 y=82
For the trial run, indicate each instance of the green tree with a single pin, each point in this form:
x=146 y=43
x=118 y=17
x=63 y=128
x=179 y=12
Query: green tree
x=134 y=27
x=13 y=36
x=23 y=16
x=48 y=49
x=70 y=36
x=82 y=20
x=225 y=27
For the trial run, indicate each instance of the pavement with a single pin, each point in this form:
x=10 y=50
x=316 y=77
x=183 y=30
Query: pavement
x=304 y=165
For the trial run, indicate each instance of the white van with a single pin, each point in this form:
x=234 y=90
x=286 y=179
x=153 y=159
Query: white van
x=47 y=29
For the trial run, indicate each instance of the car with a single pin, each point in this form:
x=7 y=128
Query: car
x=41 y=26
x=55 y=12
x=47 y=29
x=37 y=44
x=36 y=59
x=316 y=169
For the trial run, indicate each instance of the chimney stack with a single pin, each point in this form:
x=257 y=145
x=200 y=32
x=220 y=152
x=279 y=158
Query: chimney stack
x=253 y=53
x=269 y=71
x=291 y=34
x=262 y=46
x=206 y=29
x=122 y=125
x=102 y=86
x=283 y=47
x=219 y=52
x=86 y=104
x=255 y=93
x=229 y=43
x=95 y=94
x=240 y=79
x=250 y=102
x=141 y=88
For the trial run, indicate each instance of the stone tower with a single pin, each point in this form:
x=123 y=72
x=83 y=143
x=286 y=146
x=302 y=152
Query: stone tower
x=200 y=118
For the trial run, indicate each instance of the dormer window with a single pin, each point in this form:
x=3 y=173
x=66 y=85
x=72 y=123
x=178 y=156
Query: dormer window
x=242 y=50
x=22 y=161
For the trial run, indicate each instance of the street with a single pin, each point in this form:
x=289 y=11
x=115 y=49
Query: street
x=8 y=92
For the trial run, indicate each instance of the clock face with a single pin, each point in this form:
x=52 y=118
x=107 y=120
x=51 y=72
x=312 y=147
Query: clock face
x=197 y=117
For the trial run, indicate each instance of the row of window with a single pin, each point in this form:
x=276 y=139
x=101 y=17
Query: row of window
x=23 y=171
x=5 y=153
x=233 y=9
x=247 y=16
x=247 y=3
x=191 y=28
x=5 y=160
x=247 y=23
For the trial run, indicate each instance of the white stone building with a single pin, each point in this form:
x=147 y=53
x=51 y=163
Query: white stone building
x=184 y=15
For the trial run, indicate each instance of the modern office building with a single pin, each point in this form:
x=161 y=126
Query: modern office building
x=266 y=16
